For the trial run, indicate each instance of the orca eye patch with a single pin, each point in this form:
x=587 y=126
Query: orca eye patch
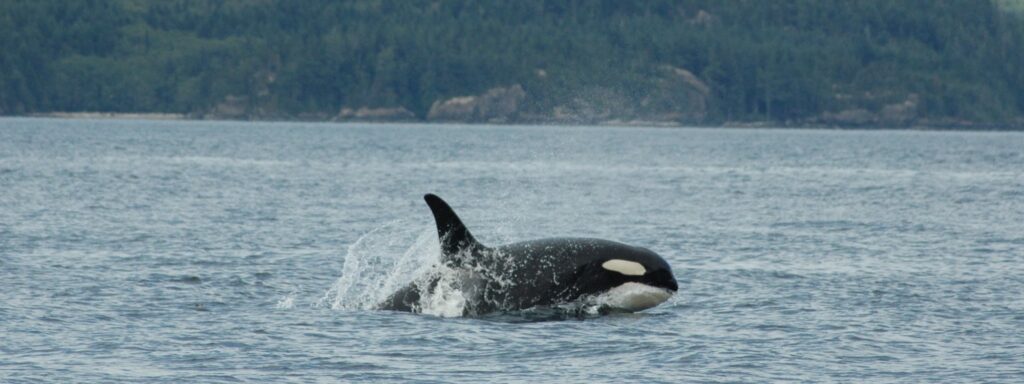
x=625 y=267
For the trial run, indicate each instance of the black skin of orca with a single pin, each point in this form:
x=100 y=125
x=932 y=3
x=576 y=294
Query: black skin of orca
x=528 y=274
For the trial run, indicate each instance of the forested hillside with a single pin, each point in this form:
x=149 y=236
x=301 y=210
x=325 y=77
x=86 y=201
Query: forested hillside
x=796 y=62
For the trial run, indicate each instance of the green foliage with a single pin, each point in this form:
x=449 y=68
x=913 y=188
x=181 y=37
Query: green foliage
x=762 y=60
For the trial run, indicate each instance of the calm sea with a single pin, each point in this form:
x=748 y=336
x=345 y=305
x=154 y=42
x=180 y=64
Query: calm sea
x=138 y=251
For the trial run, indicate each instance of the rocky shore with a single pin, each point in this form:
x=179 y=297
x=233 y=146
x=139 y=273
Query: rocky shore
x=676 y=98
x=850 y=120
x=112 y=116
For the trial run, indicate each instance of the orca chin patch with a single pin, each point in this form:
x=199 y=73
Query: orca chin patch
x=633 y=297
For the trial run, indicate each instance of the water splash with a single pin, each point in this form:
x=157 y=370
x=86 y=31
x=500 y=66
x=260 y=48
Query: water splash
x=380 y=262
x=286 y=302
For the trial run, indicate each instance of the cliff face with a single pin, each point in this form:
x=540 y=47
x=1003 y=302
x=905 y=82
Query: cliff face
x=677 y=96
x=497 y=105
x=672 y=95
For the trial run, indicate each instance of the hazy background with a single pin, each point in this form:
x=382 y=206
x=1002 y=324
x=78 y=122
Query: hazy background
x=869 y=63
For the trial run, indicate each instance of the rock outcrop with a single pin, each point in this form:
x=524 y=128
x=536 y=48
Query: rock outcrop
x=900 y=114
x=672 y=96
x=375 y=114
x=497 y=105
x=894 y=115
x=595 y=105
x=677 y=96
x=231 y=108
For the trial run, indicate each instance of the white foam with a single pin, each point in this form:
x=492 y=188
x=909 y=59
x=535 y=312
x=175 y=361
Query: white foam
x=287 y=302
x=447 y=299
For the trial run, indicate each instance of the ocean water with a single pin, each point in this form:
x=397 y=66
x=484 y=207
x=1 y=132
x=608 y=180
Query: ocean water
x=138 y=251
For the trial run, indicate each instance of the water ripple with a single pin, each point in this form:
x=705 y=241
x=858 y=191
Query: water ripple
x=247 y=252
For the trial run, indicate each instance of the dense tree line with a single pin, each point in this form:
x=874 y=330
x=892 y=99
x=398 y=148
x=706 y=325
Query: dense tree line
x=762 y=60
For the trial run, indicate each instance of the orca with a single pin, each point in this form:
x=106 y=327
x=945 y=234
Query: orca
x=543 y=273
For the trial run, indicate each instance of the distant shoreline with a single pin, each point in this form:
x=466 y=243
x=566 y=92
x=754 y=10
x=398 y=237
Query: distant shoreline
x=110 y=116
x=933 y=126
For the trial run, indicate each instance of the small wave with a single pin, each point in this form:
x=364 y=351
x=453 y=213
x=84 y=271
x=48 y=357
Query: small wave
x=171 y=278
x=219 y=161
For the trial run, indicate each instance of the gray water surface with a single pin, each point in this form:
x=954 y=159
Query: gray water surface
x=135 y=251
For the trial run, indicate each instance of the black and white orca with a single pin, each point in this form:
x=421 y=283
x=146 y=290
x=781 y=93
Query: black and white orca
x=539 y=273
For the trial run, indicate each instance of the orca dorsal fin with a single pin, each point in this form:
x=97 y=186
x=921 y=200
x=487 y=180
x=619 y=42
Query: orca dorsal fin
x=454 y=236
